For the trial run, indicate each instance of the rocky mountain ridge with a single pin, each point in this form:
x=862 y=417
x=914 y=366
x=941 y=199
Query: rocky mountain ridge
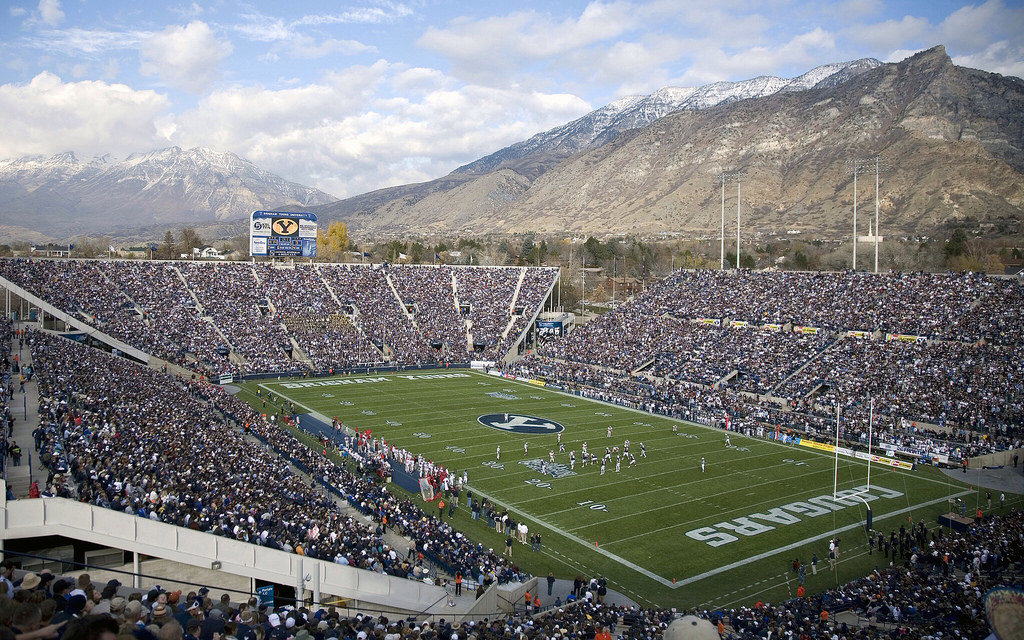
x=951 y=140
x=61 y=195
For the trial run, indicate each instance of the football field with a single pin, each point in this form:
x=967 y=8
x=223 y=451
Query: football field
x=693 y=522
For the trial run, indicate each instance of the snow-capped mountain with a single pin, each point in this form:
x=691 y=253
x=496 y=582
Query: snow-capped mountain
x=634 y=112
x=951 y=136
x=62 y=195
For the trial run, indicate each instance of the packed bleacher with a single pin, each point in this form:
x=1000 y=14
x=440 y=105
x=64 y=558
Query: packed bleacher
x=929 y=585
x=936 y=357
x=125 y=437
x=961 y=372
x=177 y=331
x=10 y=370
x=251 y=318
x=431 y=294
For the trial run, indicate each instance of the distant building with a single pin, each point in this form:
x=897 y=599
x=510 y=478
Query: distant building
x=51 y=250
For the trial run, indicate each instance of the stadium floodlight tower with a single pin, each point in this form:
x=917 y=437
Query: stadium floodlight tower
x=859 y=494
x=879 y=167
x=857 y=167
x=722 y=178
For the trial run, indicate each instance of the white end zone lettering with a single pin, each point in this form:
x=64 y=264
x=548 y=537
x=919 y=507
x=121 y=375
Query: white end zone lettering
x=712 y=537
x=745 y=527
x=809 y=508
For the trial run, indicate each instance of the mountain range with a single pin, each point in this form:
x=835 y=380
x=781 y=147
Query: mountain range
x=950 y=144
x=62 y=196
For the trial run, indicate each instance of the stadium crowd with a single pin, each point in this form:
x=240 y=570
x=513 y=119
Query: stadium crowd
x=195 y=313
x=10 y=368
x=125 y=437
x=431 y=293
x=931 y=586
x=128 y=438
x=811 y=341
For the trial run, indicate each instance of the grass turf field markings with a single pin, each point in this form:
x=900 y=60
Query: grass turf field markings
x=800 y=543
x=718 y=570
x=662 y=487
x=565 y=534
x=657 y=438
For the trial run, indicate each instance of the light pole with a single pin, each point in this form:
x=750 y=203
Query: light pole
x=879 y=167
x=739 y=177
x=722 y=178
x=856 y=166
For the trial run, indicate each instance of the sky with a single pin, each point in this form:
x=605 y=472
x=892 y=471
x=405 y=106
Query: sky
x=355 y=95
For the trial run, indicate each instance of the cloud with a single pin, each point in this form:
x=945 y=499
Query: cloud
x=191 y=11
x=975 y=27
x=368 y=127
x=47 y=116
x=50 y=12
x=263 y=28
x=184 y=57
x=78 y=42
x=306 y=48
x=999 y=57
x=388 y=12
x=802 y=52
x=888 y=35
x=489 y=49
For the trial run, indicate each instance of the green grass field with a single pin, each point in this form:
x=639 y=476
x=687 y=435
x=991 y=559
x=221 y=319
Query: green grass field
x=663 y=532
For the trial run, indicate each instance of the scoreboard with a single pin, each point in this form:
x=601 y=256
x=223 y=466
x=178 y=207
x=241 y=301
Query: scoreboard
x=282 y=233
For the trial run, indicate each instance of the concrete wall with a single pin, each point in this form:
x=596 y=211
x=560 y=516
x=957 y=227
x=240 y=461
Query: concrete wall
x=79 y=521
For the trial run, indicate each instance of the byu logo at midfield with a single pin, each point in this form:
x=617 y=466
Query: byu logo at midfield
x=519 y=424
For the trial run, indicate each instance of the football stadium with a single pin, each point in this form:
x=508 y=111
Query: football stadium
x=378 y=450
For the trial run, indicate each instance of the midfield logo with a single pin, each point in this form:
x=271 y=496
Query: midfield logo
x=516 y=423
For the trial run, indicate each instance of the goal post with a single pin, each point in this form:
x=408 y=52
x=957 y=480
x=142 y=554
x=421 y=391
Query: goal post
x=867 y=485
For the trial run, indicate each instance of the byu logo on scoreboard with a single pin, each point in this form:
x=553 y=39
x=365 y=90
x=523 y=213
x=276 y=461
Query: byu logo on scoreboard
x=285 y=227
x=516 y=423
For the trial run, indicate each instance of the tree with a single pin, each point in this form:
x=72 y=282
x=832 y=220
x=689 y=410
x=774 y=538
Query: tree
x=189 y=239
x=394 y=250
x=331 y=245
x=417 y=251
x=168 y=249
x=956 y=245
x=240 y=245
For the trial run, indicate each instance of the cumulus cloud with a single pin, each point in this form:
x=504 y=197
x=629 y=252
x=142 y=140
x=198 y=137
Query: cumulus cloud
x=487 y=50
x=802 y=52
x=1000 y=57
x=348 y=134
x=887 y=35
x=50 y=12
x=47 y=116
x=186 y=57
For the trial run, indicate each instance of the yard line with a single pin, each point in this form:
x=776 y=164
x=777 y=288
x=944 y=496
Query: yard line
x=612 y=556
